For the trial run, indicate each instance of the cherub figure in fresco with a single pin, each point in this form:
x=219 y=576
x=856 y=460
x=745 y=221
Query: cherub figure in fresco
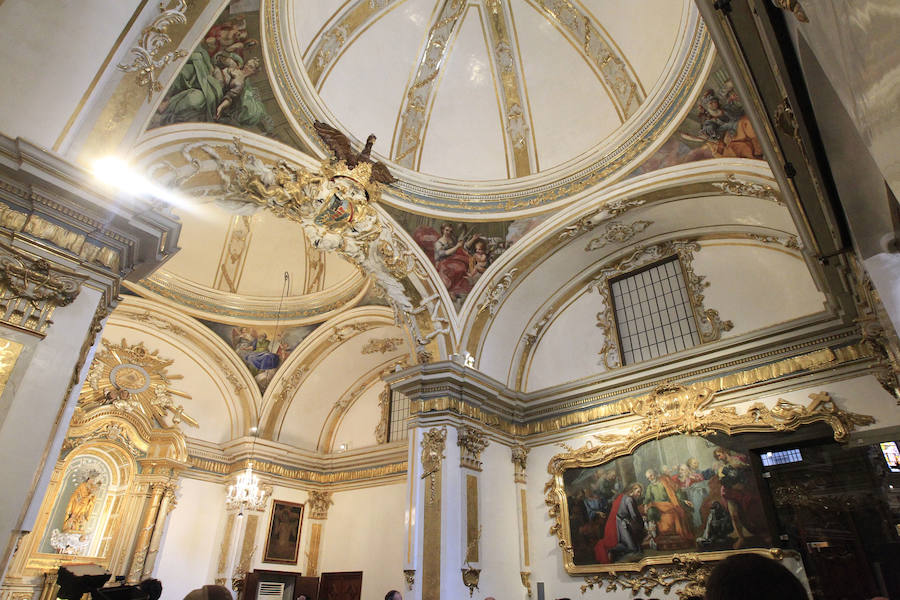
x=479 y=260
x=230 y=36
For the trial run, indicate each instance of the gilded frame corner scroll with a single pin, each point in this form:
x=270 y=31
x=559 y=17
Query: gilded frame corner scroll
x=674 y=409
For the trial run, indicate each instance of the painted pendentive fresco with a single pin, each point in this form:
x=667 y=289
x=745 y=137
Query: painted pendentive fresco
x=224 y=80
x=677 y=494
x=717 y=127
x=263 y=349
x=462 y=252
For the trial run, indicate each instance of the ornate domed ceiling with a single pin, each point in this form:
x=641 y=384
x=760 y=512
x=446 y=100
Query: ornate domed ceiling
x=488 y=105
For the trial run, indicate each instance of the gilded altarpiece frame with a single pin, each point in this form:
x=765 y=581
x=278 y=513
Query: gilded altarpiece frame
x=670 y=410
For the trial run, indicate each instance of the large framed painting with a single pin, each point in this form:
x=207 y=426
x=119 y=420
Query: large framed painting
x=663 y=491
x=283 y=540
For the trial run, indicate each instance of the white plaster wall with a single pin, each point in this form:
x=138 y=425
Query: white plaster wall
x=51 y=51
x=190 y=546
x=498 y=517
x=365 y=532
x=570 y=347
x=37 y=417
x=357 y=428
x=756 y=286
x=861 y=394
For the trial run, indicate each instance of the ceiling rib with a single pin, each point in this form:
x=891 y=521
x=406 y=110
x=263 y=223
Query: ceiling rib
x=514 y=106
x=601 y=53
x=419 y=95
x=328 y=46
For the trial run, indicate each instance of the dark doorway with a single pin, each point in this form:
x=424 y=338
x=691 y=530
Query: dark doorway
x=341 y=586
x=833 y=506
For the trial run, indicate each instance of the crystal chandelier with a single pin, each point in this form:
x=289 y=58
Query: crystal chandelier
x=245 y=492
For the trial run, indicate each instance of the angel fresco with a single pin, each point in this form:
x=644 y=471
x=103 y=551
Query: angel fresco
x=215 y=85
x=718 y=127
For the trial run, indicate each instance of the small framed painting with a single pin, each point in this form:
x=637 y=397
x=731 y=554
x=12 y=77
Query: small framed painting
x=283 y=540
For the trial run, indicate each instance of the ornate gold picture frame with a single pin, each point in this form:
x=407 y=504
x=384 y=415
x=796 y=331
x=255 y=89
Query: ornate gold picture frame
x=643 y=479
x=283 y=539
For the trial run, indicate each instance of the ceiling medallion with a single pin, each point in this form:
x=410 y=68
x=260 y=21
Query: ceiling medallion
x=133 y=379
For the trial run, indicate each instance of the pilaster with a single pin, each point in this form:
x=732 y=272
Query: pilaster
x=64 y=250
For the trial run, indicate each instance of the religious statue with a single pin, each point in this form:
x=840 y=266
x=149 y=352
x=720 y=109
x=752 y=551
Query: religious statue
x=81 y=504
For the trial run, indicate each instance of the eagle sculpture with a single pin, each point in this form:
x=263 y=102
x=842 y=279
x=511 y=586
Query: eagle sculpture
x=338 y=143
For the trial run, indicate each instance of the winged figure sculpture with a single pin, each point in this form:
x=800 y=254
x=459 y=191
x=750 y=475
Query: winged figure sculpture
x=338 y=143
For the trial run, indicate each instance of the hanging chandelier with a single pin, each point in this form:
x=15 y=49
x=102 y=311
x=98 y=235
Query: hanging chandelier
x=245 y=492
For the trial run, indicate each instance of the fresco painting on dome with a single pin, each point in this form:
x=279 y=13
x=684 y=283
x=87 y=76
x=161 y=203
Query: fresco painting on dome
x=461 y=252
x=224 y=80
x=716 y=127
x=263 y=349
x=678 y=494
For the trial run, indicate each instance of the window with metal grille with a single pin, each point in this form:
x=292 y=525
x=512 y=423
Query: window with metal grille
x=781 y=457
x=399 y=415
x=653 y=312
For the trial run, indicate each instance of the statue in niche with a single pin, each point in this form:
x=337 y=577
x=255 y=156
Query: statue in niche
x=81 y=504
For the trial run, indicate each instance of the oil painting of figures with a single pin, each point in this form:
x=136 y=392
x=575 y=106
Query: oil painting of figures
x=462 y=252
x=717 y=127
x=677 y=494
x=263 y=349
x=224 y=80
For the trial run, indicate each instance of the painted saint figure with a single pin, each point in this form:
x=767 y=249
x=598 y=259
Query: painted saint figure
x=624 y=529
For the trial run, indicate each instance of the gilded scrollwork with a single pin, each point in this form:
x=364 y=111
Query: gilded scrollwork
x=519 y=455
x=617 y=233
x=674 y=409
x=433 y=442
x=148 y=61
x=335 y=208
x=709 y=325
x=31 y=288
x=319 y=502
x=497 y=292
x=687 y=571
x=472 y=443
x=382 y=345
x=739 y=187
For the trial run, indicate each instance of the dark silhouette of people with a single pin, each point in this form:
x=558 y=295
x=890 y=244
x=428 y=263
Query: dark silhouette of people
x=751 y=577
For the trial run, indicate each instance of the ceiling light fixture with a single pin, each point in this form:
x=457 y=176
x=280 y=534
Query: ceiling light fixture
x=245 y=492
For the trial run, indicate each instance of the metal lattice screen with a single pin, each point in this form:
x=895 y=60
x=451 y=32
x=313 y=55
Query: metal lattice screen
x=653 y=312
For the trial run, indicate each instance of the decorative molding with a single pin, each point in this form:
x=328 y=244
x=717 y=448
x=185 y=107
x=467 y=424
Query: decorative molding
x=513 y=104
x=384 y=410
x=319 y=502
x=617 y=233
x=709 y=325
x=496 y=293
x=409 y=575
x=382 y=345
x=148 y=62
x=134 y=380
x=342 y=333
x=620 y=82
x=31 y=289
x=686 y=570
x=794 y=7
x=674 y=409
x=420 y=92
x=788 y=241
x=610 y=210
x=526 y=581
x=433 y=442
x=737 y=187
x=113 y=432
x=519 y=460
x=472 y=443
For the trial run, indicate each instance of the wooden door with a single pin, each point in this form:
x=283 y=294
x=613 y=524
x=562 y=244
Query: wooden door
x=341 y=586
x=307 y=586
